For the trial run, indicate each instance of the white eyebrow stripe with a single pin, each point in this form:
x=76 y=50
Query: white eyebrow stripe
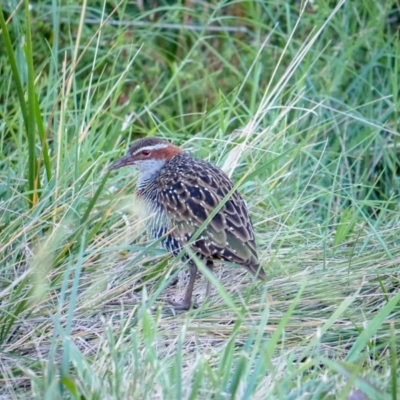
x=150 y=148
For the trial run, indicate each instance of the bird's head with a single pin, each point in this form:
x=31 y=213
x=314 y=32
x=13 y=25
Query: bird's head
x=149 y=155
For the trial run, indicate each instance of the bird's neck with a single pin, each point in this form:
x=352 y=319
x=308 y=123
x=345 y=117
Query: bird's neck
x=148 y=172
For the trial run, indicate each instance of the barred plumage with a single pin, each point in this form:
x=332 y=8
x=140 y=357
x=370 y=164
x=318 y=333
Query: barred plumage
x=179 y=193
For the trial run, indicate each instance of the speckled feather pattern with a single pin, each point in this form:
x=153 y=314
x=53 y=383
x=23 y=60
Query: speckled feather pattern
x=182 y=195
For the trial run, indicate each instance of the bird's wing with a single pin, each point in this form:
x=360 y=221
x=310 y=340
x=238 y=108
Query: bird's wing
x=188 y=197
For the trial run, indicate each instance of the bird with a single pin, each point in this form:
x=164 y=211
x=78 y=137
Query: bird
x=178 y=193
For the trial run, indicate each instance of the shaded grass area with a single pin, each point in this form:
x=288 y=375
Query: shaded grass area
x=298 y=102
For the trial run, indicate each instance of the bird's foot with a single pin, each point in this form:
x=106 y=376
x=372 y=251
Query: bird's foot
x=183 y=305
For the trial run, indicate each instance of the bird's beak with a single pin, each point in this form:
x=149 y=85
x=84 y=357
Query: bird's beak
x=122 y=162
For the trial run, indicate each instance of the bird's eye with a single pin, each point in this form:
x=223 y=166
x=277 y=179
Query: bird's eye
x=145 y=153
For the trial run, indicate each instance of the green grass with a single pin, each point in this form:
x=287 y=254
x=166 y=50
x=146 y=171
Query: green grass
x=298 y=103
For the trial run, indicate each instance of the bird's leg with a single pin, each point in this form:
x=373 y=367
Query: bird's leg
x=210 y=266
x=187 y=300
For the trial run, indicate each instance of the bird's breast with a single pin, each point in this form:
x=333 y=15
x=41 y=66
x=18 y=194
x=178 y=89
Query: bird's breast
x=151 y=216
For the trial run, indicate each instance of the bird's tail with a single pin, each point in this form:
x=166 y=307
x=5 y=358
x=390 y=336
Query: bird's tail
x=257 y=270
